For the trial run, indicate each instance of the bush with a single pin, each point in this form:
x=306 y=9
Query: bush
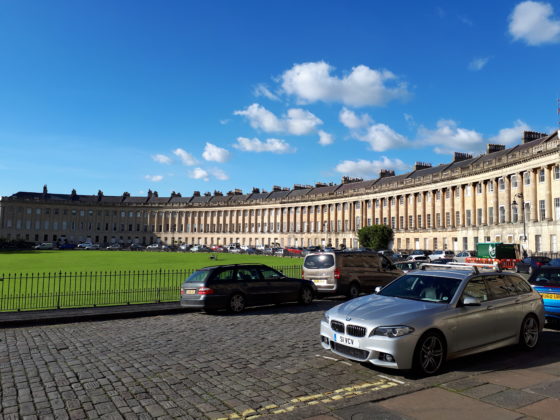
x=375 y=236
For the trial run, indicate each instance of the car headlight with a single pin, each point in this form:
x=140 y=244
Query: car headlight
x=393 y=331
x=326 y=318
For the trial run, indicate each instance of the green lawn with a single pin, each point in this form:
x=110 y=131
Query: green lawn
x=34 y=280
x=86 y=261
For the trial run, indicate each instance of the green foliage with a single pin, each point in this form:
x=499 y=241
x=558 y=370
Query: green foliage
x=376 y=236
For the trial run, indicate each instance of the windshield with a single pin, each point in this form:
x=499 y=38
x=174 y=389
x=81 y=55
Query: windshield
x=549 y=278
x=319 y=261
x=406 y=265
x=422 y=287
x=198 y=276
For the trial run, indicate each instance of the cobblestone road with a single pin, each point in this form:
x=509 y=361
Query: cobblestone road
x=188 y=365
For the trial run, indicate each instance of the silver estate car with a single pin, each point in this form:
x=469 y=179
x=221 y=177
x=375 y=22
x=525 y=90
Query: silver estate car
x=440 y=312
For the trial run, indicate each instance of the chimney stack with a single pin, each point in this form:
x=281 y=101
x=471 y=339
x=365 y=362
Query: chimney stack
x=384 y=173
x=529 y=136
x=491 y=148
x=422 y=165
x=458 y=156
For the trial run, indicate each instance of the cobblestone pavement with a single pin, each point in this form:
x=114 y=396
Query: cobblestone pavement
x=187 y=365
x=264 y=362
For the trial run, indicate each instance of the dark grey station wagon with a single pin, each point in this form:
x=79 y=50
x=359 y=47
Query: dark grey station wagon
x=233 y=287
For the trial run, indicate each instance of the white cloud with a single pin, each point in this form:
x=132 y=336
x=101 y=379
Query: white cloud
x=312 y=82
x=509 y=136
x=255 y=145
x=159 y=158
x=300 y=122
x=219 y=174
x=214 y=153
x=325 y=138
x=199 y=173
x=154 y=178
x=352 y=121
x=297 y=121
x=370 y=169
x=185 y=157
x=262 y=90
x=533 y=23
x=381 y=137
x=478 y=64
x=449 y=138
x=224 y=121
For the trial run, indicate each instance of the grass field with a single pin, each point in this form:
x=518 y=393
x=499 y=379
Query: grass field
x=73 y=279
x=86 y=261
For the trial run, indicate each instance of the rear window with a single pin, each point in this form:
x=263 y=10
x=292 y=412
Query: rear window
x=319 y=261
x=198 y=277
x=546 y=278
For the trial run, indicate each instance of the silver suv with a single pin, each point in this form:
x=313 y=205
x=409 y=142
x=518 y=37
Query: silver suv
x=437 y=313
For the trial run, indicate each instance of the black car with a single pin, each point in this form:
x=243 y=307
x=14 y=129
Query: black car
x=233 y=287
x=529 y=264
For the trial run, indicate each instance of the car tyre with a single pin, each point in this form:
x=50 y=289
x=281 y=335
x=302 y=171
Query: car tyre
x=353 y=290
x=236 y=303
x=430 y=354
x=305 y=296
x=529 y=334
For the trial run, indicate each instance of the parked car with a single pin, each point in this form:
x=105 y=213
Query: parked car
x=44 y=245
x=463 y=255
x=418 y=258
x=153 y=247
x=555 y=262
x=546 y=281
x=428 y=316
x=114 y=247
x=83 y=245
x=421 y=252
x=136 y=247
x=279 y=252
x=347 y=272
x=406 y=266
x=67 y=246
x=440 y=253
x=91 y=247
x=529 y=264
x=233 y=287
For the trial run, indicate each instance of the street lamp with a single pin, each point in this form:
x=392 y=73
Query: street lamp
x=514 y=203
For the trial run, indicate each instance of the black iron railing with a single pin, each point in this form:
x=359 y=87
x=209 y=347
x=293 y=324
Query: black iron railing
x=36 y=291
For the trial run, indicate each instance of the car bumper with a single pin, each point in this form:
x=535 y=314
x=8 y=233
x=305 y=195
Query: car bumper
x=374 y=350
x=204 y=302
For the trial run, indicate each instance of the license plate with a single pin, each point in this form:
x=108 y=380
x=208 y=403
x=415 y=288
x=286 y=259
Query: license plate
x=191 y=291
x=550 y=296
x=320 y=282
x=347 y=341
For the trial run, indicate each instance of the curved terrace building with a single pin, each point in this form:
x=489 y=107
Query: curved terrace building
x=510 y=195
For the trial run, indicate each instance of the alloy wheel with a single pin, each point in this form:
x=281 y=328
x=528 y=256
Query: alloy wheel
x=431 y=354
x=530 y=332
x=237 y=303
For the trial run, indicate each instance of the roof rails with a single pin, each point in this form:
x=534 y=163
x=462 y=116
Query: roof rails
x=474 y=267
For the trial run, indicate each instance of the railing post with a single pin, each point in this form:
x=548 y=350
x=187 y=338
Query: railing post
x=58 y=293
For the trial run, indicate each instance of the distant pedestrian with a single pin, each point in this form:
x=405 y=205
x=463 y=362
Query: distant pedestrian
x=524 y=253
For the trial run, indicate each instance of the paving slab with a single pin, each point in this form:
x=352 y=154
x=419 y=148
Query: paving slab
x=550 y=389
x=436 y=403
x=483 y=390
x=513 y=398
x=517 y=379
x=549 y=408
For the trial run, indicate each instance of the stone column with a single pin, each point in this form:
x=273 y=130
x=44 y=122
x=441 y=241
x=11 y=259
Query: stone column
x=433 y=209
x=484 y=203
x=534 y=199
x=405 y=212
x=452 y=207
x=496 y=201
x=507 y=180
x=415 y=211
x=548 y=192
x=442 y=207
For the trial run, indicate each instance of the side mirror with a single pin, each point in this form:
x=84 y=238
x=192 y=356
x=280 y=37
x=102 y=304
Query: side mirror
x=470 y=301
x=377 y=289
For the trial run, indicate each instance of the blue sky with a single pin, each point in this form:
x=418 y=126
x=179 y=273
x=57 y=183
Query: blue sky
x=216 y=95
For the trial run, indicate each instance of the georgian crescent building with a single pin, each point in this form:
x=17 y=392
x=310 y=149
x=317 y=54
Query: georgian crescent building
x=509 y=195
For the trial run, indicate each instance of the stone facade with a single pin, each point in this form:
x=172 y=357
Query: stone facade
x=449 y=206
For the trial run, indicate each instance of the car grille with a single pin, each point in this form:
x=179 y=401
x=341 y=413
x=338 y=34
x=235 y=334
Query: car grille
x=350 y=351
x=337 y=326
x=355 y=330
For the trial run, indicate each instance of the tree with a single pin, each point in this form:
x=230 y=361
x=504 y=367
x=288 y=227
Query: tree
x=375 y=236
